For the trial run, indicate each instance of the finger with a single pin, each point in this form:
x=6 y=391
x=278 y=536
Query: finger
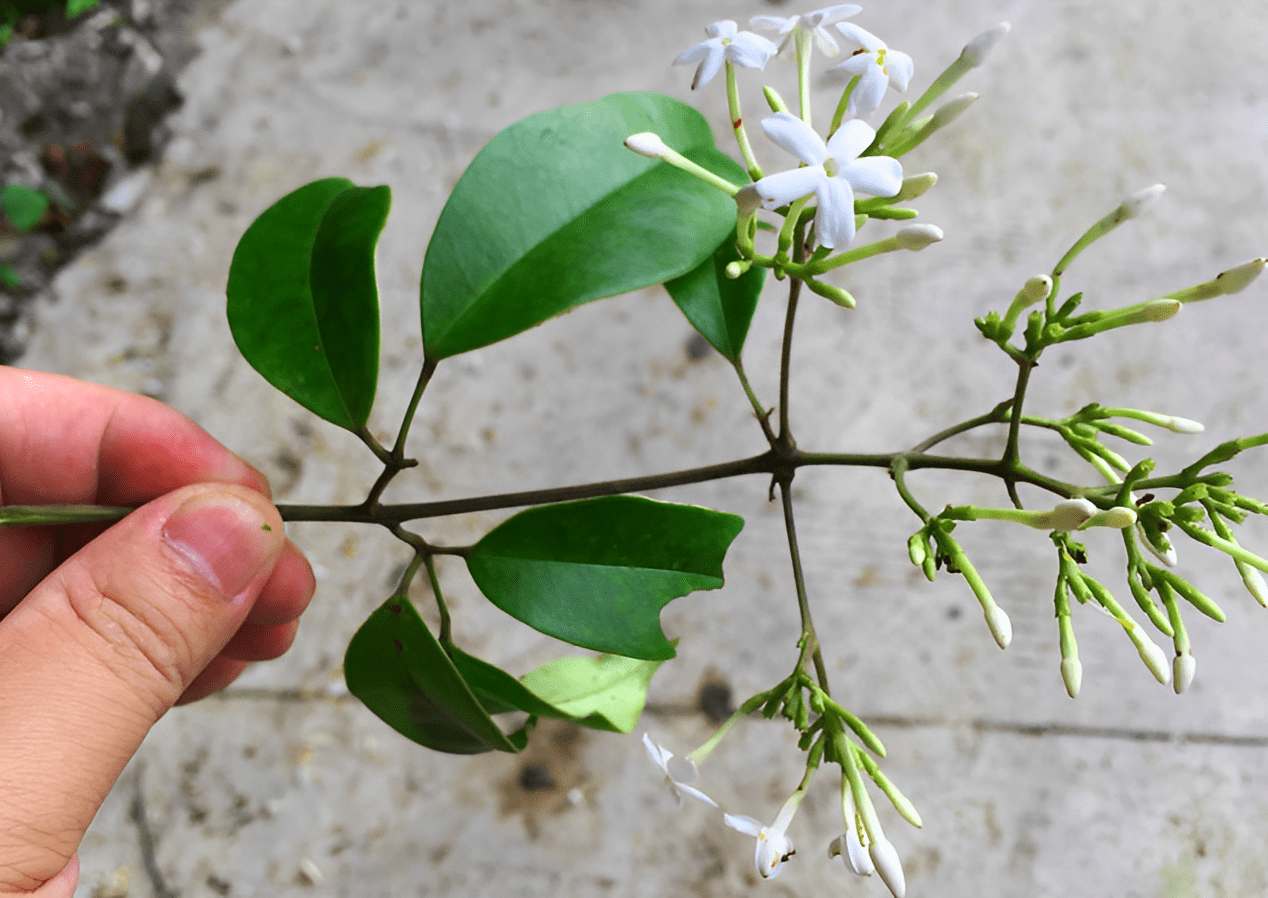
x=260 y=643
x=67 y=441
x=104 y=646
x=288 y=591
x=217 y=675
x=62 y=885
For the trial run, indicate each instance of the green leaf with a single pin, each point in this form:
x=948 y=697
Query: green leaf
x=605 y=693
x=23 y=205
x=555 y=212
x=9 y=278
x=303 y=304
x=720 y=308
x=397 y=668
x=597 y=573
x=607 y=690
x=75 y=7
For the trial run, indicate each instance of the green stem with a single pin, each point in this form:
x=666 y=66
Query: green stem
x=766 y=463
x=898 y=470
x=997 y=415
x=395 y=461
x=785 y=359
x=430 y=561
x=698 y=756
x=737 y=125
x=761 y=413
x=809 y=641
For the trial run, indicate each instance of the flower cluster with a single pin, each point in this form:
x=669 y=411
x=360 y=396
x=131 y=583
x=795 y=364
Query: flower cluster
x=845 y=175
x=831 y=170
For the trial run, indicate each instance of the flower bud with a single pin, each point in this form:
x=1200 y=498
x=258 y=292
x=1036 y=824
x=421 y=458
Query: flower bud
x=1036 y=289
x=1158 y=310
x=1119 y=517
x=917 y=549
x=1001 y=626
x=828 y=291
x=951 y=110
x=1225 y=283
x=1182 y=425
x=917 y=237
x=1069 y=515
x=1072 y=675
x=1238 y=279
x=1140 y=202
x=1155 y=659
x=915 y=186
x=647 y=144
x=1254 y=582
x=976 y=50
x=885 y=858
x=1183 y=666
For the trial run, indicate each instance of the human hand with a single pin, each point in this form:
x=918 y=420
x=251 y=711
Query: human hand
x=103 y=628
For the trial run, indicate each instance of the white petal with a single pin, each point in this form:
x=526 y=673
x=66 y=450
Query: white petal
x=900 y=67
x=708 y=67
x=850 y=139
x=786 y=186
x=857 y=64
x=869 y=92
x=659 y=756
x=725 y=28
x=777 y=24
x=691 y=54
x=827 y=45
x=834 y=219
x=875 y=175
x=796 y=137
x=856 y=855
x=831 y=14
x=750 y=50
x=861 y=36
x=694 y=793
x=744 y=824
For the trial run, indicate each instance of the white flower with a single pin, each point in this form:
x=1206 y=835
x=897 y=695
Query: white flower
x=832 y=173
x=660 y=757
x=876 y=66
x=812 y=23
x=726 y=45
x=774 y=848
x=853 y=851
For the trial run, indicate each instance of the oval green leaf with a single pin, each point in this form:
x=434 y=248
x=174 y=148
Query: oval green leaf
x=303 y=302
x=397 y=668
x=604 y=693
x=597 y=573
x=720 y=308
x=555 y=212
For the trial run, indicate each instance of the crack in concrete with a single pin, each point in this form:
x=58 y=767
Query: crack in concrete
x=145 y=838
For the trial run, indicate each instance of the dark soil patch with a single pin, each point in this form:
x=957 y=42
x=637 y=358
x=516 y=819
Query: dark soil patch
x=82 y=110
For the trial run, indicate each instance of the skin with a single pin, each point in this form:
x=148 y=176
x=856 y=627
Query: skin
x=104 y=628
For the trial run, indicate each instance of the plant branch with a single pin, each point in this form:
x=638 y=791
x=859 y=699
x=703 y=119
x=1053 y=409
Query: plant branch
x=785 y=360
x=809 y=641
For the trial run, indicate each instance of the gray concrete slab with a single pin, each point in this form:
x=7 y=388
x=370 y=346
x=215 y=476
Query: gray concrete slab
x=285 y=786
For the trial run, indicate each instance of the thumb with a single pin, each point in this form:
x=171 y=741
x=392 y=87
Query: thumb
x=99 y=651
